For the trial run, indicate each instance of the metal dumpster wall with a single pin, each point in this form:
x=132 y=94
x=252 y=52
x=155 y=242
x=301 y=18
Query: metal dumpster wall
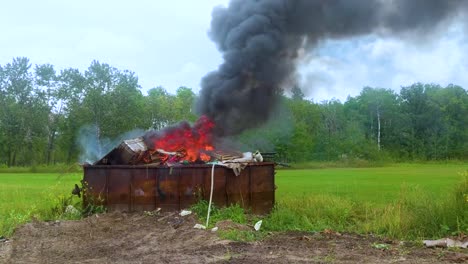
x=145 y=188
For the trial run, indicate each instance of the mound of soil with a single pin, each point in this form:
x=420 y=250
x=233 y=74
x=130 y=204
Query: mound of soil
x=169 y=238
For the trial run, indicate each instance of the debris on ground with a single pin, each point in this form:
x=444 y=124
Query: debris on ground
x=72 y=211
x=381 y=246
x=129 y=238
x=199 y=226
x=176 y=222
x=228 y=225
x=185 y=212
x=258 y=225
x=446 y=243
x=152 y=213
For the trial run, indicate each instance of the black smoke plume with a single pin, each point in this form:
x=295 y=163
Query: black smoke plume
x=261 y=40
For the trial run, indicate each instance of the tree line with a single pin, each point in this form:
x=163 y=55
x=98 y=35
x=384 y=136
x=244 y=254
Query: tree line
x=43 y=113
x=421 y=122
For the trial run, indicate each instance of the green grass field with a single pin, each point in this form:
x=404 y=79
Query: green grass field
x=377 y=185
x=27 y=195
x=402 y=201
x=406 y=201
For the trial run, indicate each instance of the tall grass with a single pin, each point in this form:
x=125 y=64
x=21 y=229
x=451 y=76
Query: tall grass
x=415 y=214
x=404 y=202
x=35 y=196
x=234 y=213
x=312 y=213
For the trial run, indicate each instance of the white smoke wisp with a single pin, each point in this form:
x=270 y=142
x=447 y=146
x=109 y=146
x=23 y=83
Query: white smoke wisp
x=93 y=148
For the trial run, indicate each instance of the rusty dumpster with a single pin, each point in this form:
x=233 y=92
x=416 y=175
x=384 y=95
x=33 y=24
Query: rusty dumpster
x=144 y=188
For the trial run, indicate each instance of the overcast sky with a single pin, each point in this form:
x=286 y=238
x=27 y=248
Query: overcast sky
x=165 y=43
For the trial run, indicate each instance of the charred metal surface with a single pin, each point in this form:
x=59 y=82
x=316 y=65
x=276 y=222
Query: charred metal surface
x=145 y=188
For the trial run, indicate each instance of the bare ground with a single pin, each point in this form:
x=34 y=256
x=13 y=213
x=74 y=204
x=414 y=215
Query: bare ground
x=168 y=238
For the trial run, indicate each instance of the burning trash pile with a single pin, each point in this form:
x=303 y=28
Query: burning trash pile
x=176 y=146
x=169 y=169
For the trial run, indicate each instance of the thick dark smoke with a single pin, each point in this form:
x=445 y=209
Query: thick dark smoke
x=261 y=42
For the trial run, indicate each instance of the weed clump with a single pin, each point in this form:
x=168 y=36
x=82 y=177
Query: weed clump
x=234 y=212
x=51 y=203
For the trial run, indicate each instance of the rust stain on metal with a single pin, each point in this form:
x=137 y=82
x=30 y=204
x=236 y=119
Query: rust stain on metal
x=145 y=188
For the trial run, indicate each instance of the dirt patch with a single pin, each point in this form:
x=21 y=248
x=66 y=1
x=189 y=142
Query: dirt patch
x=169 y=238
x=227 y=225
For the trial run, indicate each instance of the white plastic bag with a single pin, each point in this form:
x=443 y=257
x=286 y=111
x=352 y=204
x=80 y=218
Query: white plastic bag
x=258 y=225
x=199 y=226
x=185 y=212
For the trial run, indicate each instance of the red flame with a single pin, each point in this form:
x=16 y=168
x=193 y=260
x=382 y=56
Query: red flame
x=189 y=142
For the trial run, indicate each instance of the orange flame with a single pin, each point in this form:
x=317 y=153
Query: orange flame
x=191 y=141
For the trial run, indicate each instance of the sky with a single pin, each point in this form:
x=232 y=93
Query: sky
x=166 y=44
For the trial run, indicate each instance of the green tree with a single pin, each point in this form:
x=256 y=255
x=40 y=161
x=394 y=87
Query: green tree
x=332 y=125
x=46 y=82
x=158 y=108
x=297 y=93
x=380 y=107
x=24 y=111
x=183 y=107
x=71 y=92
x=126 y=109
x=306 y=120
x=100 y=80
x=426 y=127
x=452 y=105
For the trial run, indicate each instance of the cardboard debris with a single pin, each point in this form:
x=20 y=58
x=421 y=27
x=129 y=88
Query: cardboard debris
x=135 y=152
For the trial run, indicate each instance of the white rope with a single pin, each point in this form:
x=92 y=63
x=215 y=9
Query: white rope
x=211 y=195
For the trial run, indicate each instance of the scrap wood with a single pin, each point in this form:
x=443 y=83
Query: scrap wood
x=223 y=155
x=445 y=242
x=161 y=156
x=153 y=164
x=167 y=216
x=237 y=165
x=246 y=158
x=171 y=153
x=138 y=158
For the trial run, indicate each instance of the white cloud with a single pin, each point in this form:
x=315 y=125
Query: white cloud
x=155 y=39
x=385 y=62
x=166 y=43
